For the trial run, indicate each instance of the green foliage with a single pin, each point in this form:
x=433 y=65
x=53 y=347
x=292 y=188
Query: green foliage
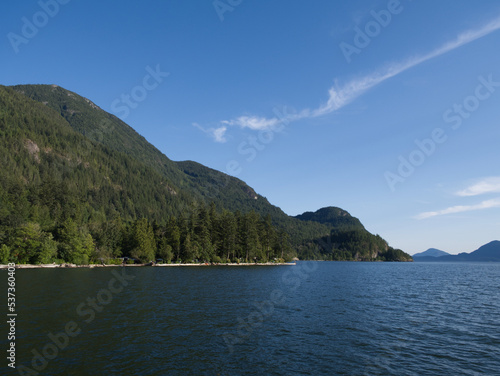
x=79 y=185
x=332 y=216
x=165 y=251
x=353 y=245
x=75 y=245
x=30 y=245
x=4 y=254
x=206 y=235
x=142 y=241
x=394 y=255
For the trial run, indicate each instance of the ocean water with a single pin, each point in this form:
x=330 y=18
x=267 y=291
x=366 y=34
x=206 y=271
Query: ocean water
x=315 y=318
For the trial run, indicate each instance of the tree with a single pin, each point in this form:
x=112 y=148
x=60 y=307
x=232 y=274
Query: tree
x=203 y=234
x=30 y=244
x=267 y=236
x=249 y=236
x=75 y=245
x=164 y=250
x=173 y=236
x=108 y=238
x=4 y=254
x=229 y=228
x=282 y=245
x=143 y=241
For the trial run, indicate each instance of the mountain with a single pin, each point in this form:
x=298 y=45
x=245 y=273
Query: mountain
x=68 y=165
x=431 y=252
x=348 y=239
x=332 y=216
x=487 y=253
x=186 y=181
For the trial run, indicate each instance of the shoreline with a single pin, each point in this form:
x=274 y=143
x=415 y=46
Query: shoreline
x=92 y=266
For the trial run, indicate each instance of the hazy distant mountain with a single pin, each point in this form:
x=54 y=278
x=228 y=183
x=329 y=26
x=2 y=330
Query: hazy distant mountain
x=487 y=253
x=431 y=252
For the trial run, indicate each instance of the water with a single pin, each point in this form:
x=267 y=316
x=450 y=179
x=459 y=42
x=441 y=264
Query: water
x=317 y=318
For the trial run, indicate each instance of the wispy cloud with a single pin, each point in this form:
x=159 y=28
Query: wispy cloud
x=487 y=185
x=340 y=95
x=488 y=204
x=253 y=122
x=218 y=134
x=343 y=95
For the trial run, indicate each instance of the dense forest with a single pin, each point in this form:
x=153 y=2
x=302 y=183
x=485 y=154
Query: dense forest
x=202 y=236
x=347 y=241
x=79 y=185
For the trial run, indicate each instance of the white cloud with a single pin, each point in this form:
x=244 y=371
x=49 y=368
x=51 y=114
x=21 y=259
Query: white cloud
x=253 y=122
x=218 y=134
x=341 y=95
x=487 y=185
x=495 y=203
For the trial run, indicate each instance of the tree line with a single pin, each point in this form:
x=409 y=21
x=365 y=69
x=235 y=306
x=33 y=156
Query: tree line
x=351 y=244
x=203 y=235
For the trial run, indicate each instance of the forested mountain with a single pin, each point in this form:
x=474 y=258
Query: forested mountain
x=348 y=239
x=78 y=184
x=336 y=217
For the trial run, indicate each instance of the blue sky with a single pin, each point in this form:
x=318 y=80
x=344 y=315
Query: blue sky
x=388 y=109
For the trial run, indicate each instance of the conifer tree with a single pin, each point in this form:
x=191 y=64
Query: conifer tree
x=143 y=241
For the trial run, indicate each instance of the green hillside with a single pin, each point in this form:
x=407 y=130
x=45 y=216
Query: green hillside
x=332 y=216
x=80 y=184
x=202 y=183
x=348 y=239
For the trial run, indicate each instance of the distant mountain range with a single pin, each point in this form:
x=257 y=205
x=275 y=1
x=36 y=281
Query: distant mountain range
x=431 y=252
x=487 y=253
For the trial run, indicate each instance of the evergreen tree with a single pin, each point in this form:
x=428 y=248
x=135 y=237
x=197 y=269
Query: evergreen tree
x=142 y=240
x=4 y=254
x=173 y=236
x=203 y=234
x=249 y=237
x=30 y=245
x=75 y=245
x=108 y=238
x=229 y=228
x=268 y=237
x=164 y=250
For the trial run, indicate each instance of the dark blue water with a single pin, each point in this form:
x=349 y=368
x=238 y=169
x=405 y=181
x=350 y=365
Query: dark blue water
x=323 y=318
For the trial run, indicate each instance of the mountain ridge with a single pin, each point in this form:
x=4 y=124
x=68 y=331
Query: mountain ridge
x=104 y=166
x=489 y=252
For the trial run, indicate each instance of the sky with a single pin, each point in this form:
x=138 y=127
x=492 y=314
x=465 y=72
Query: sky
x=387 y=109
